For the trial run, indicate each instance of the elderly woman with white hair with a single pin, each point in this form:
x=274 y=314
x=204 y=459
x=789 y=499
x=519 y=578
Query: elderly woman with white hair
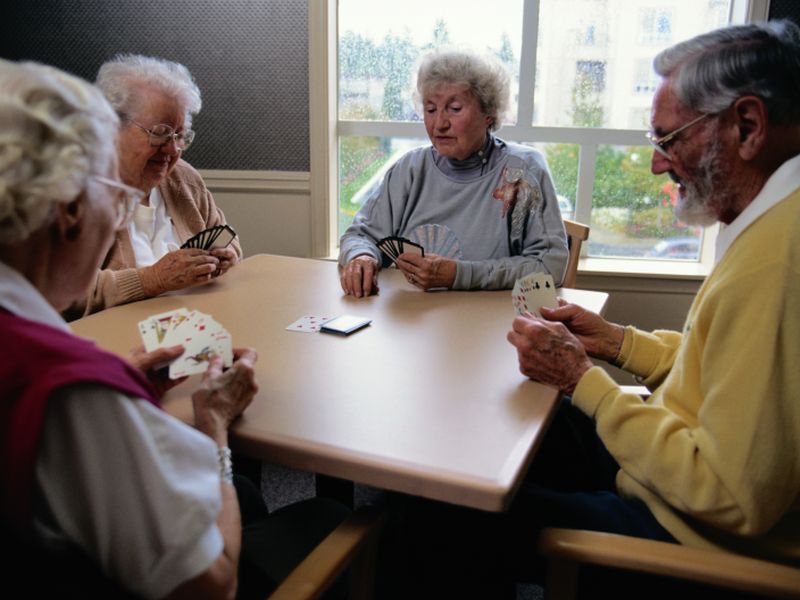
x=102 y=493
x=156 y=100
x=484 y=210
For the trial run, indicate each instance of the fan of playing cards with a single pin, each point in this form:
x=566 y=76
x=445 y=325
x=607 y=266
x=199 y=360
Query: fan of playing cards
x=438 y=239
x=201 y=336
x=218 y=236
x=532 y=292
x=393 y=246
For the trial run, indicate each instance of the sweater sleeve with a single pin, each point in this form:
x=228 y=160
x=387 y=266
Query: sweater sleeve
x=719 y=441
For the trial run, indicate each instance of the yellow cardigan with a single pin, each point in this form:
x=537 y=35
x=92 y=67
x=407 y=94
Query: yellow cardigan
x=715 y=451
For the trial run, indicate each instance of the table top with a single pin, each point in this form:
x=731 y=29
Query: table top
x=428 y=400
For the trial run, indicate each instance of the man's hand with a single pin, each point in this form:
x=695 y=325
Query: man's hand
x=548 y=352
x=600 y=338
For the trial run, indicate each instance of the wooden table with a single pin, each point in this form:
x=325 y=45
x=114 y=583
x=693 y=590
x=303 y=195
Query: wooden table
x=428 y=400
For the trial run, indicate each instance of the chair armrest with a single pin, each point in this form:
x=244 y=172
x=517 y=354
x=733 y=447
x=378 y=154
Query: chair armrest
x=354 y=540
x=717 y=568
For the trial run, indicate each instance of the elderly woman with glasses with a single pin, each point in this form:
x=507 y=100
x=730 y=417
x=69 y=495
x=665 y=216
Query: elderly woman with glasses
x=484 y=210
x=102 y=493
x=156 y=100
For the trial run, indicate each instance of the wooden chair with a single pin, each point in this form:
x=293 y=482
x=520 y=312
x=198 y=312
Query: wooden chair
x=354 y=544
x=566 y=549
x=577 y=233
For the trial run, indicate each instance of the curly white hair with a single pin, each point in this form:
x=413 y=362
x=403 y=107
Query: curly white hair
x=55 y=131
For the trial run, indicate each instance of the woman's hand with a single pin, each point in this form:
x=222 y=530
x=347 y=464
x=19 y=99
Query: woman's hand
x=154 y=365
x=428 y=272
x=359 y=277
x=227 y=258
x=548 y=352
x=223 y=395
x=179 y=269
x=600 y=338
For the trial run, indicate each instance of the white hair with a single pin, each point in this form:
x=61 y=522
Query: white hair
x=125 y=75
x=711 y=71
x=55 y=131
x=484 y=77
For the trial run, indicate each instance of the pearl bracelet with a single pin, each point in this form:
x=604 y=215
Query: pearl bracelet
x=225 y=465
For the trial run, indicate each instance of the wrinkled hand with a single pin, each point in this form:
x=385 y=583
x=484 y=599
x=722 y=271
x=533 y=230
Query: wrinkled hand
x=153 y=364
x=227 y=258
x=600 y=338
x=430 y=271
x=223 y=396
x=359 y=277
x=179 y=269
x=548 y=352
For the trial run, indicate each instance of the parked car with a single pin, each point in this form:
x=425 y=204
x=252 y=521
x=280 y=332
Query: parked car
x=687 y=248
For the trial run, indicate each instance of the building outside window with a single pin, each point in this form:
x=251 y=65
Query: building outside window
x=572 y=93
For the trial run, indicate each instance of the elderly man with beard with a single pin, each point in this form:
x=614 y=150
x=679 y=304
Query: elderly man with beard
x=712 y=458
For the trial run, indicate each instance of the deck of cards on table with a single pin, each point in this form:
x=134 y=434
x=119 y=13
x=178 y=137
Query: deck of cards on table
x=201 y=336
x=532 y=292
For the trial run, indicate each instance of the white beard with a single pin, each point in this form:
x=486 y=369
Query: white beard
x=695 y=205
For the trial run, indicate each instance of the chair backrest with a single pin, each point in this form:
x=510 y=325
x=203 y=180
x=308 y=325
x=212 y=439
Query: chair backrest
x=577 y=233
x=566 y=549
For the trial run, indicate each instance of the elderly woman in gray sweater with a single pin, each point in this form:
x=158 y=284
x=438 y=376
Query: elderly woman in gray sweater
x=485 y=210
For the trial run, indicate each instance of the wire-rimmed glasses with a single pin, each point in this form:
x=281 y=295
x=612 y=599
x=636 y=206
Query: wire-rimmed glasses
x=162 y=134
x=660 y=143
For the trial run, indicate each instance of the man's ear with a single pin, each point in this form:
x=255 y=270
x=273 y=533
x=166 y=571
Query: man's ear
x=751 y=119
x=70 y=218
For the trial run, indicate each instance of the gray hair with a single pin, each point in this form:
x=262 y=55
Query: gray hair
x=484 y=77
x=55 y=131
x=123 y=76
x=711 y=71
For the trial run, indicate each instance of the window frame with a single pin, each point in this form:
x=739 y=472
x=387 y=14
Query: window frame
x=326 y=129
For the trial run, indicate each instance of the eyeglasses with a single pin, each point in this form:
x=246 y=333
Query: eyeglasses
x=126 y=199
x=162 y=134
x=660 y=143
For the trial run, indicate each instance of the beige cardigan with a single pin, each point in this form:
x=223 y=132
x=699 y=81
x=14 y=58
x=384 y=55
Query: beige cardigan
x=190 y=206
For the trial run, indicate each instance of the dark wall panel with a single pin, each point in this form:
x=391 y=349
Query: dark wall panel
x=250 y=59
x=785 y=9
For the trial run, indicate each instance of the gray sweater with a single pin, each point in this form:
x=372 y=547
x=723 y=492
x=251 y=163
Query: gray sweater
x=507 y=220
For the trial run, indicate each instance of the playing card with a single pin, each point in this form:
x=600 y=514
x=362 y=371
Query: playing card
x=393 y=246
x=437 y=239
x=154 y=328
x=308 y=323
x=199 y=351
x=532 y=292
x=201 y=336
x=218 y=236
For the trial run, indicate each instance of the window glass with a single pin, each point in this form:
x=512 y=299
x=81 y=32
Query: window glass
x=633 y=211
x=379 y=46
x=363 y=162
x=589 y=88
x=594 y=57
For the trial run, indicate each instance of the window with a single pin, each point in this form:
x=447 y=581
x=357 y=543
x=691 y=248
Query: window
x=590 y=125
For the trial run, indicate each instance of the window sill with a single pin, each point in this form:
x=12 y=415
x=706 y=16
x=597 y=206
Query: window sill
x=643 y=269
